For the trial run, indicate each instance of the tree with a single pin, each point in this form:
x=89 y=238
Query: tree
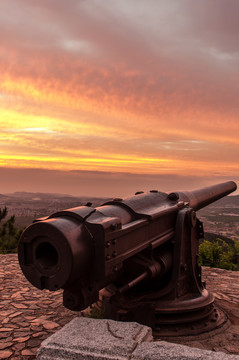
x=219 y=253
x=9 y=233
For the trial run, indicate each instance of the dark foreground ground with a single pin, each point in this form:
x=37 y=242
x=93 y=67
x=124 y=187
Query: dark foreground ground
x=28 y=315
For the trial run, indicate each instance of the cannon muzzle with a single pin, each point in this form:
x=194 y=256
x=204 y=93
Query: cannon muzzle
x=53 y=252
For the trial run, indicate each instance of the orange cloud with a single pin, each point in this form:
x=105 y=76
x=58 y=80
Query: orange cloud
x=116 y=88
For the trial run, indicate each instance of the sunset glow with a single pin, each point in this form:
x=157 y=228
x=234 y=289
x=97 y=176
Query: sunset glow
x=142 y=87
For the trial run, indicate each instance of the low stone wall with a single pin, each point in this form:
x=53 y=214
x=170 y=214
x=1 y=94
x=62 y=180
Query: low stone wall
x=100 y=339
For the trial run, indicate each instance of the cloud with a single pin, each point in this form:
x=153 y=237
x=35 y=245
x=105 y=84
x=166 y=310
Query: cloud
x=127 y=86
x=215 y=26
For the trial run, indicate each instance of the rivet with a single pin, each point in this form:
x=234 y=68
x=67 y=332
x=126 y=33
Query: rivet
x=184 y=267
x=107 y=257
x=173 y=196
x=113 y=226
x=192 y=218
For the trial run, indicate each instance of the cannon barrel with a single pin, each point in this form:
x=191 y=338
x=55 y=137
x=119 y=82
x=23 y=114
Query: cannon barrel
x=83 y=249
x=198 y=199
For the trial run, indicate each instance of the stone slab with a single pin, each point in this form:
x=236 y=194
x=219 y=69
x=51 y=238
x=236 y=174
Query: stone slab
x=161 y=350
x=91 y=339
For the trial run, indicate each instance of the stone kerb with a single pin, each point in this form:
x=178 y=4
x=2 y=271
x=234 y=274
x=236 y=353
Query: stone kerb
x=85 y=338
x=101 y=339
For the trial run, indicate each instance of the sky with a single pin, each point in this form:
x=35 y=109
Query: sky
x=107 y=97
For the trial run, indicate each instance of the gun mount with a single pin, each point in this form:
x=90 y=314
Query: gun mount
x=140 y=254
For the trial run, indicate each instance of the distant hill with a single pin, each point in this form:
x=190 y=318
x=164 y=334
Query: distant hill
x=27 y=206
x=29 y=197
x=228 y=200
x=211 y=237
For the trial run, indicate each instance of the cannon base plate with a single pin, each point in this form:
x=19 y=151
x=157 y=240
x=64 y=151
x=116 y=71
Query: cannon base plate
x=165 y=321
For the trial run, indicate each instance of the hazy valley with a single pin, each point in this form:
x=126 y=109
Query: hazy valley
x=222 y=217
x=29 y=206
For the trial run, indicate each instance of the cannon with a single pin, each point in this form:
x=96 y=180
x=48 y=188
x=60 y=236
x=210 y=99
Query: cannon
x=135 y=258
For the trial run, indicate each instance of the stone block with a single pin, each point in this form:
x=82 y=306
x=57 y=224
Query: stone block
x=91 y=339
x=162 y=350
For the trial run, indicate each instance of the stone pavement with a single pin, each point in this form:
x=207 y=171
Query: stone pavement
x=224 y=284
x=29 y=315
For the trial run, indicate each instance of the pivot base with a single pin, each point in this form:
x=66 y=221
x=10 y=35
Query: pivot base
x=181 y=318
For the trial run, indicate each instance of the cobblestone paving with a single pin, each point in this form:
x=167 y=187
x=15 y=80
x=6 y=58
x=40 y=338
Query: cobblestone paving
x=29 y=315
x=224 y=285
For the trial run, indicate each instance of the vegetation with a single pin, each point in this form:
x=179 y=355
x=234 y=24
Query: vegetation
x=9 y=233
x=219 y=252
x=95 y=312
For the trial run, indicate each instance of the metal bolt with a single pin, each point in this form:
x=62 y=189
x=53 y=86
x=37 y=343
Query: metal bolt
x=173 y=196
x=107 y=244
x=115 y=268
x=114 y=241
x=192 y=218
x=114 y=254
x=113 y=226
x=88 y=204
x=184 y=267
x=107 y=257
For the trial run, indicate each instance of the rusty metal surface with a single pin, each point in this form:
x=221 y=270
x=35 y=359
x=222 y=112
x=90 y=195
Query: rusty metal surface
x=144 y=247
